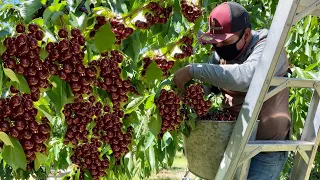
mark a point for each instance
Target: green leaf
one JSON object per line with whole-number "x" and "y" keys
{"x": 55, "y": 7}
{"x": 167, "y": 82}
{"x": 43, "y": 53}
{"x": 149, "y": 140}
{"x": 10, "y": 74}
{"x": 312, "y": 66}
{"x": 198, "y": 24}
{"x": 167, "y": 139}
{"x": 155, "y": 125}
{"x": 1, "y": 80}
{"x": 46, "y": 112}
{"x": 59, "y": 93}
{"x": 40, "y": 159}
{"x": 14, "y": 156}
{"x": 133, "y": 105}
{"x": 18, "y": 81}
{"x": 78, "y": 21}
{"x": 3, "y": 33}
{"x": 38, "y": 21}
{"x": 308, "y": 50}
{"x": 78, "y": 174}
{"x": 104, "y": 39}
{"x": 150, "y": 102}
{"x": 5, "y": 139}
{"x": 152, "y": 159}
{"x": 153, "y": 72}
{"x": 172, "y": 148}
{"x": 87, "y": 175}
{"x": 2, "y": 48}
{"x": 64, "y": 160}
{"x": 29, "y": 8}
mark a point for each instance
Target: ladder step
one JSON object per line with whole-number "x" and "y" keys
{"x": 276, "y": 145}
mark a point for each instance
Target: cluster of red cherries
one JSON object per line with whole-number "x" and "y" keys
{"x": 110, "y": 77}
{"x": 190, "y": 11}
{"x": 186, "y": 48}
{"x": 155, "y": 15}
{"x": 218, "y": 116}
{"x": 146, "y": 62}
{"x": 18, "y": 118}
{"x": 87, "y": 156}
{"x": 119, "y": 29}
{"x": 109, "y": 130}
{"x": 168, "y": 105}
{"x": 23, "y": 56}
{"x": 194, "y": 98}
{"x": 66, "y": 60}
{"x": 164, "y": 64}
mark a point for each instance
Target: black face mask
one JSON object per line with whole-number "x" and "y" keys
{"x": 229, "y": 52}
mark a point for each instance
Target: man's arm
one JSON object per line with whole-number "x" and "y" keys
{"x": 235, "y": 77}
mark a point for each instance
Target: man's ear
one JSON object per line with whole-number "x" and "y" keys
{"x": 247, "y": 33}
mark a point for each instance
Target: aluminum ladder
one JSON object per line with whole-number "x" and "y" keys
{"x": 240, "y": 149}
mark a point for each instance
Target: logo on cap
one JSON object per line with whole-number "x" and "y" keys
{"x": 216, "y": 27}
{"x": 207, "y": 38}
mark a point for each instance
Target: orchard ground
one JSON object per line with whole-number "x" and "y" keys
{"x": 176, "y": 172}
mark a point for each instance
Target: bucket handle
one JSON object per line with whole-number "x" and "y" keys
{"x": 185, "y": 175}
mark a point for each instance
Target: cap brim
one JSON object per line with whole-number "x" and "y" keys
{"x": 209, "y": 38}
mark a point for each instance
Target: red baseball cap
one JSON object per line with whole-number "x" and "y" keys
{"x": 224, "y": 21}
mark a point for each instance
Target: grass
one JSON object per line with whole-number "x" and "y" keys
{"x": 176, "y": 172}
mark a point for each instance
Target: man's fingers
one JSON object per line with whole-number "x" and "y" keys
{"x": 175, "y": 80}
{"x": 180, "y": 85}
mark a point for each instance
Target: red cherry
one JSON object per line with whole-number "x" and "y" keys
{"x": 14, "y": 132}
{"x": 44, "y": 128}
{"x": 11, "y": 63}
{"x": 39, "y": 35}
{"x": 33, "y": 43}
{"x": 4, "y": 126}
{"x": 91, "y": 71}
{"x": 75, "y": 32}
{"x": 63, "y": 45}
{"x": 27, "y": 134}
{"x": 67, "y": 67}
{"x": 21, "y": 39}
{"x": 75, "y": 86}
{"x": 33, "y": 27}
{"x": 33, "y": 125}
{"x": 49, "y": 46}
{"x": 20, "y": 28}
{"x": 76, "y": 48}
{"x": 81, "y": 40}
{"x": 63, "y": 33}
{"x": 27, "y": 144}
{"x": 20, "y": 124}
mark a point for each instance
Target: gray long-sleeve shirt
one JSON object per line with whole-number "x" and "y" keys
{"x": 234, "y": 79}
{"x": 236, "y": 76}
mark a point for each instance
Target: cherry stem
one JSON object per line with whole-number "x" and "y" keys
{"x": 177, "y": 42}
{"x": 134, "y": 12}
{"x": 62, "y": 22}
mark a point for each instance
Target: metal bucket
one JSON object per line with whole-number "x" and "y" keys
{"x": 205, "y": 146}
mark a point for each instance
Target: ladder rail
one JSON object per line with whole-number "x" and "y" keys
{"x": 282, "y": 83}
{"x": 294, "y": 82}
{"x": 262, "y": 78}
{"x": 311, "y": 132}
{"x": 308, "y": 10}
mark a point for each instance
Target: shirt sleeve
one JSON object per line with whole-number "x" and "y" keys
{"x": 236, "y": 77}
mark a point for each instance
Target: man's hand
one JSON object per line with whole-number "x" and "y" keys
{"x": 181, "y": 77}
